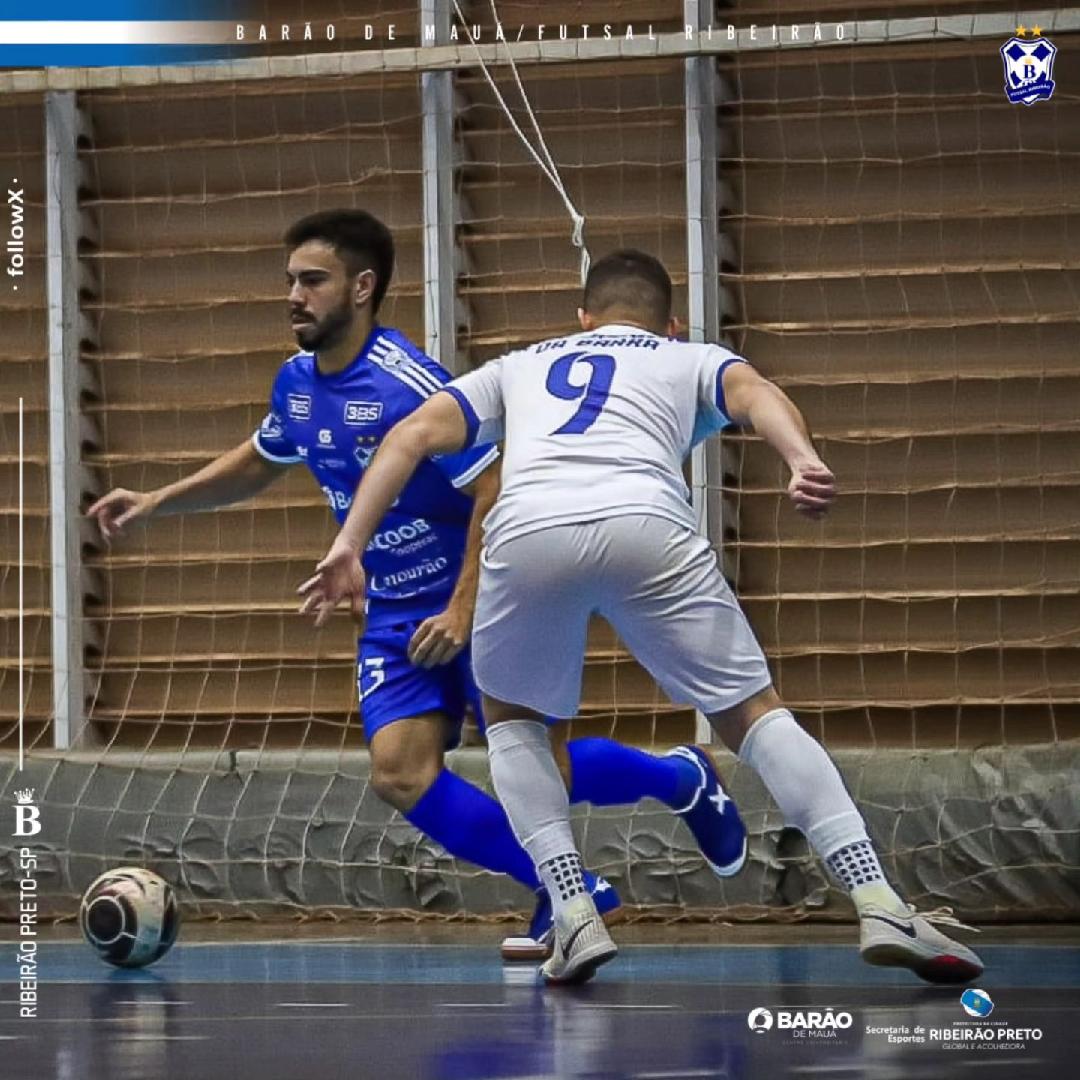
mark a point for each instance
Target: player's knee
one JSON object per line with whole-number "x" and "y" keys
{"x": 401, "y": 781}
{"x": 733, "y": 724}
{"x": 497, "y": 712}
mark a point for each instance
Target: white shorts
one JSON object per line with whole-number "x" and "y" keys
{"x": 656, "y": 582}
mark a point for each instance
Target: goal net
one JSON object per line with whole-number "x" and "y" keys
{"x": 894, "y": 246}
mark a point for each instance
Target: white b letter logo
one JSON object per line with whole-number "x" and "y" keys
{"x": 27, "y": 821}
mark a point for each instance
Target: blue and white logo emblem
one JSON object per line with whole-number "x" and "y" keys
{"x": 362, "y": 412}
{"x": 299, "y": 406}
{"x": 977, "y": 1003}
{"x": 366, "y": 445}
{"x": 1029, "y": 67}
{"x": 271, "y": 427}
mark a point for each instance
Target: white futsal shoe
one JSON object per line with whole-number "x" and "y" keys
{"x": 909, "y": 940}
{"x": 582, "y": 944}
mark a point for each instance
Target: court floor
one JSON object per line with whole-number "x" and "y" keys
{"x": 356, "y": 1006}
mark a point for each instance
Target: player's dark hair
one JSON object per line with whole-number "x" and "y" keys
{"x": 360, "y": 240}
{"x": 631, "y": 283}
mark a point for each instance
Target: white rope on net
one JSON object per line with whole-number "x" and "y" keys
{"x": 546, "y": 162}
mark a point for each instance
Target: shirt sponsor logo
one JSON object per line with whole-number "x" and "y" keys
{"x": 299, "y": 406}
{"x": 392, "y": 539}
{"x": 271, "y": 427}
{"x": 338, "y": 500}
{"x": 358, "y": 413}
{"x": 413, "y": 573}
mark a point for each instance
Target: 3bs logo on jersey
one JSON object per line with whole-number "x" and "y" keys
{"x": 358, "y": 413}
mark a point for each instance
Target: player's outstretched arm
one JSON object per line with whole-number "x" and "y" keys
{"x": 236, "y": 475}
{"x": 437, "y": 427}
{"x": 753, "y": 400}
{"x": 440, "y": 638}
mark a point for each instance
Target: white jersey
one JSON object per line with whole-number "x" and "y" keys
{"x": 597, "y": 425}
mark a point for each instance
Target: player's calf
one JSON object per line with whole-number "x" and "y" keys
{"x": 810, "y": 791}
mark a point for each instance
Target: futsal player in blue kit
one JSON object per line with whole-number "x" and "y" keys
{"x": 330, "y": 406}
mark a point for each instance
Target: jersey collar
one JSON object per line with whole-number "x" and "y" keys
{"x": 360, "y": 358}
{"x": 628, "y": 327}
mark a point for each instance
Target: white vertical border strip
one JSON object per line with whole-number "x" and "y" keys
{"x": 22, "y": 594}
{"x": 440, "y": 267}
{"x": 62, "y": 221}
{"x": 703, "y": 268}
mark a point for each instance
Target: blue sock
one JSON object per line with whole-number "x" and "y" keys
{"x": 606, "y": 773}
{"x": 471, "y": 825}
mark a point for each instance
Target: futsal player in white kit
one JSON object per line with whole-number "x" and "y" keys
{"x": 594, "y": 518}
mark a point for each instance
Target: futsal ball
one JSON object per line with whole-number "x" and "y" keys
{"x": 129, "y": 916}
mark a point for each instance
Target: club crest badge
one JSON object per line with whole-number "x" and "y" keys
{"x": 1029, "y": 66}
{"x": 365, "y": 448}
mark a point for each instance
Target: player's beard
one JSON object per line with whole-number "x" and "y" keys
{"x": 328, "y": 331}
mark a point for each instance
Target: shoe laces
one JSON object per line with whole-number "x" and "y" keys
{"x": 942, "y": 916}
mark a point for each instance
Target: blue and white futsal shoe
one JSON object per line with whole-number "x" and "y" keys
{"x": 539, "y": 941}
{"x": 712, "y": 816}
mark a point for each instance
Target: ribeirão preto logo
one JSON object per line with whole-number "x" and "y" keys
{"x": 977, "y": 1003}
{"x": 27, "y": 816}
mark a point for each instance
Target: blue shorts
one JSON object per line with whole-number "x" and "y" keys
{"x": 392, "y": 688}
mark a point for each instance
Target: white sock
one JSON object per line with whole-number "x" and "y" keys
{"x": 810, "y": 792}
{"x": 532, "y": 792}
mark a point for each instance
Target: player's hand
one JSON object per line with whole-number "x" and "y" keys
{"x": 115, "y": 510}
{"x": 440, "y": 638}
{"x": 812, "y": 489}
{"x": 338, "y": 577}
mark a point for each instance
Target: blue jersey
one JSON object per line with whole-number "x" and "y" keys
{"x": 334, "y": 424}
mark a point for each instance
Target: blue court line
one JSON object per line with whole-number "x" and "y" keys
{"x": 299, "y": 962}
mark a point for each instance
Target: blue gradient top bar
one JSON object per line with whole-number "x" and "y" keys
{"x": 125, "y": 11}
{"x": 119, "y": 33}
